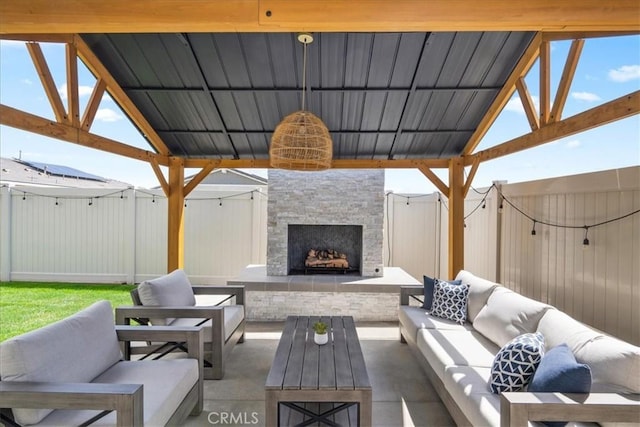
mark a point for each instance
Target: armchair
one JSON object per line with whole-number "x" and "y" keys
{"x": 75, "y": 368}
{"x": 172, "y": 300}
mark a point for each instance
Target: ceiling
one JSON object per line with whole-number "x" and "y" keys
{"x": 382, "y": 95}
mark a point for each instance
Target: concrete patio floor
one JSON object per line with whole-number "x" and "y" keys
{"x": 402, "y": 394}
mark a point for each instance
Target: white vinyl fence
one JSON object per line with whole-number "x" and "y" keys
{"x": 80, "y": 235}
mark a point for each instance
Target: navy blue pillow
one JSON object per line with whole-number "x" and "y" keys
{"x": 560, "y": 372}
{"x": 429, "y": 284}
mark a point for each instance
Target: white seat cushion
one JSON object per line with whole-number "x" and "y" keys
{"x": 468, "y": 386}
{"x": 415, "y": 318}
{"x": 443, "y": 348}
{"x": 233, "y": 316}
{"x": 165, "y": 382}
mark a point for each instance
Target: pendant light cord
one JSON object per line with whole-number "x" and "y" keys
{"x": 304, "y": 73}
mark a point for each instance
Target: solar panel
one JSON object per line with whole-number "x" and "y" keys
{"x": 63, "y": 171}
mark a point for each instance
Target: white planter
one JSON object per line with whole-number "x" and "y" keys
{"x": 320, "y": 339}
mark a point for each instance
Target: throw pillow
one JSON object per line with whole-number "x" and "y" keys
{"x": 516, "y": 362}
{"x": 429, "y": 284}
{"x": 560, "y": 372}
{"x": 450, "y": 301}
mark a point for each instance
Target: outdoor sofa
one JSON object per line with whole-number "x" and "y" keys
{"x": 458, "y": 358}
{"x": 75, "y": 366}
{"x": 172, "y": 300}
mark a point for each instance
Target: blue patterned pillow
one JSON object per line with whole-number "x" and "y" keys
{"x": 516, "y": 362}
{"x": 429, "y": 284}
{"x": 450, "y": 301}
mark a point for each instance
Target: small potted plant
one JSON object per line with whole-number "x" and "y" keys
{"x": 320, "y": 335}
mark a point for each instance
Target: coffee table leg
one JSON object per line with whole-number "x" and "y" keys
{"x": 271, "y": 409}
{"x": 364, "y": 417}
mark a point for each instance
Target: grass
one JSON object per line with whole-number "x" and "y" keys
{"x": 25, "y": 306}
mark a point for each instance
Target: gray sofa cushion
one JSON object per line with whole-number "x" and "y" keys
{"x": 165, "y": 382}
{"x": 170, "y": 290}
{"x": 479, "y": 292}
{"x": 75, "y": 349}
{"x": 507, "y": 315}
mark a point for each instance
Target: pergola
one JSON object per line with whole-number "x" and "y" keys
{"x": 402, "y": 84}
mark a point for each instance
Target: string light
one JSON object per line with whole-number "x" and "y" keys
{"x": 585, "y": 242}
{"x": 220, "y": 202}
{"x": 91, "y": 201}
{"x": 122, "y": 195}
{"x": 533, "y": 230}
{"x": 407, "y": 201}
{"x": 153, "y": 198}
{"x": 57, "y": 201}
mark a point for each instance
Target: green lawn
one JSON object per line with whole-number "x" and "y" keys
{"x": 25, "y": 306}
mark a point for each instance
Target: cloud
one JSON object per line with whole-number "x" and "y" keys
{"x": 574, "y": 143}
{"x": 625, "y": 73}
{"x": 108, "y": 115}
{"x": 82, "y": 90}
{"x": 515, "y": 104}
{"x": 26, "y": 81}
{"x": 585, "y": 96}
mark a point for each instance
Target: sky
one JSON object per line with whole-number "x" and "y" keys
{"x": 608, "y": 68}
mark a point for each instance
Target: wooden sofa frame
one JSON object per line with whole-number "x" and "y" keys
{"x": 517, "y": 408}
{"x": 216, "y": 349}
{"x": 125, "y": 399}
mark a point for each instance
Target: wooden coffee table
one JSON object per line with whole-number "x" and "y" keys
{"x": 325, "y": 384}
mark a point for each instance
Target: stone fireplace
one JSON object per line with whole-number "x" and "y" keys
{"x": 341, "y": 210}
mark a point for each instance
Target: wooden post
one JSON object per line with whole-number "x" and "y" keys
{"x": 456, "y": 216}
{"x": 175, "y": 247}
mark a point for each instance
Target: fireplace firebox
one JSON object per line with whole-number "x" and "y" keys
{"x": 332, "y": 249}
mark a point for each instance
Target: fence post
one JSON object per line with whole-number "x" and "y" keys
{"x": 5, "y": 234}
{"x": 130, "y": 233}
{"x": 498, "y": 219}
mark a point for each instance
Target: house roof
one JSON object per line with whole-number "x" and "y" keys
{"x": 382, "y": 95}
{"x": 231, "y": 177}
{"x": 22, "y": 172}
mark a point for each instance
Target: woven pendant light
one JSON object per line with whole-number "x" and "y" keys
{"x": 301, "y": 141}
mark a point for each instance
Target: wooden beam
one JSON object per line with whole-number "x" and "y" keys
{"x": 617, "y": 109}
{"x": 527, "y": 104}
{"x": 198, "y": 178}
{"x": 472, "y": 174}
{"x": 175, "y": 243}
{"x": 553, "y": 36}
{"x": 93, "y": 104}
{"x": 524, "y": 65}
{"x": 545, "y": 82}
{"x": 40, "y": 38}
{"x": 117, "y": 16}
{"x": 161, "y": 179}
{"x": 456, "y": 216}
{"x": 47, "y": 81}
{"x": 119, "y": 96}
{"x": 31, "y": 123}
{"x": 565, "y": 81}
{"x": 441, "y": 186}
{"x": 335, "y": 164}
{"x": 73, "y": 98}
